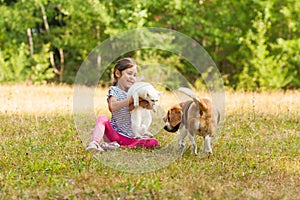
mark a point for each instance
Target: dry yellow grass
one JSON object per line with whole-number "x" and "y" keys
{"x": 34, "y": 99}
{"x": 263, "y": 102}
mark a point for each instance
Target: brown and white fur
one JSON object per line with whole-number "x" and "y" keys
{"x": 193, "y": 117}
{"x": 141, "y": 118}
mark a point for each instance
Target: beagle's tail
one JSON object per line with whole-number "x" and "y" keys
{"x": 188, "y": 92}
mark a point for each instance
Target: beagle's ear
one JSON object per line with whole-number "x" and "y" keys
{"x": 202, "y": 105}
{"x": 175, "y": 116}
{"x": 165, "y": 117}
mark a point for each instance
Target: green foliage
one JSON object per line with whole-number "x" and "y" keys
{"x": 160, "y": 67}
{"x": 290, "y": 50}
{"x": 5, "y": 72}
{"x": 19, "y": 67}
{"x": 14, "y": 64}
{"x": 255, "y": 44}
{"x": 262, "y": 69}
{"x": 40, "y": 71}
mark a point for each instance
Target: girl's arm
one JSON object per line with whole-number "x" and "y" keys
{"x": 114, "y": 104}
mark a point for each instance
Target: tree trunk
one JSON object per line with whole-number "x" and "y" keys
{"x": 62, "y": 63}
{"x": 30, "y": 42}
{"x": 45, "y": 18}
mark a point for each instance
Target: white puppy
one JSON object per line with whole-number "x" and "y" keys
{"x": 141, "y": 118}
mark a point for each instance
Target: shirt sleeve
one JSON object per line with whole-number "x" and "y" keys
{"x": 111, "y": 93}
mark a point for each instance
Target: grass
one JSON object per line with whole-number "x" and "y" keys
{"x": 256, "y": 155}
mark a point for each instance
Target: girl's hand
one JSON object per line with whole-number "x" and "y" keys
{"x": 131, "y": 106}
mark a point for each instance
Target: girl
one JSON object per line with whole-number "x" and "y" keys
{"x": 118, "y": 130}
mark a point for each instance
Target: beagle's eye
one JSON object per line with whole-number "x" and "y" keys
{"x": 201, "y": 112}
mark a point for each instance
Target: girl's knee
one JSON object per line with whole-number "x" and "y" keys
{"x": 151, "y": 143}
{"x": 102, "y": 119}
{"x": 155, "y": 143}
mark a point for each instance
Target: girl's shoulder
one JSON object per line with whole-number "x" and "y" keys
{"x": 114, "y": 89}
{"x": 116, "y": 92}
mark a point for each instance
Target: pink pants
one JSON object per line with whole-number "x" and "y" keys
{"x": 103, "y": 128}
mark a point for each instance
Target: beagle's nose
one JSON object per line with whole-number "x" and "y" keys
{"x": 166, "y": 128}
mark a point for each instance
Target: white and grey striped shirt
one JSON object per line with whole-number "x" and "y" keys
{"x": 121, "y": 119}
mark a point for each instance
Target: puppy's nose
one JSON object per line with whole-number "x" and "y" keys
{"x": 166, "y": 127}
{"x": 169, "y": 129}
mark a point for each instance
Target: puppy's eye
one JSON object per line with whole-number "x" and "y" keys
{"x": 201, "y": 112}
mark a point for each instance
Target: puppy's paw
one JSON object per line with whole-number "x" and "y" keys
{"x": 209, "y": 154}
{"x": 181, "y": 146}
{"x": 207, "y": 145}
{"x": 135, "y": 100}
{"x": 137, "y": 137}
{"x": 147, "y": 133}
{"x": 181, "y": 149}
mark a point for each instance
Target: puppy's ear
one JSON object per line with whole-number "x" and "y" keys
{"x": 175, "y": 116}
{"x": 165, "y": 117}
{"x": 202, "y": 105}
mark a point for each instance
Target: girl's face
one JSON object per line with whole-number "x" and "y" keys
{"x": 127, "y": 78}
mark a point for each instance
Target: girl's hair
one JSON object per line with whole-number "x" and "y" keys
{"x": 121, "y": 65}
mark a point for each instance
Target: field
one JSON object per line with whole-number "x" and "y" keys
{"x": 256, "y": 156}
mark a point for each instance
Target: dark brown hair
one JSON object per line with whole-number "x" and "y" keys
{"x": 121, "y": 65}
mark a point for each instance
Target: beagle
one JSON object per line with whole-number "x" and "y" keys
{"x": 193, "y": 117}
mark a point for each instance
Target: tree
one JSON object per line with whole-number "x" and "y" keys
{"x": 253, "y": 43}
